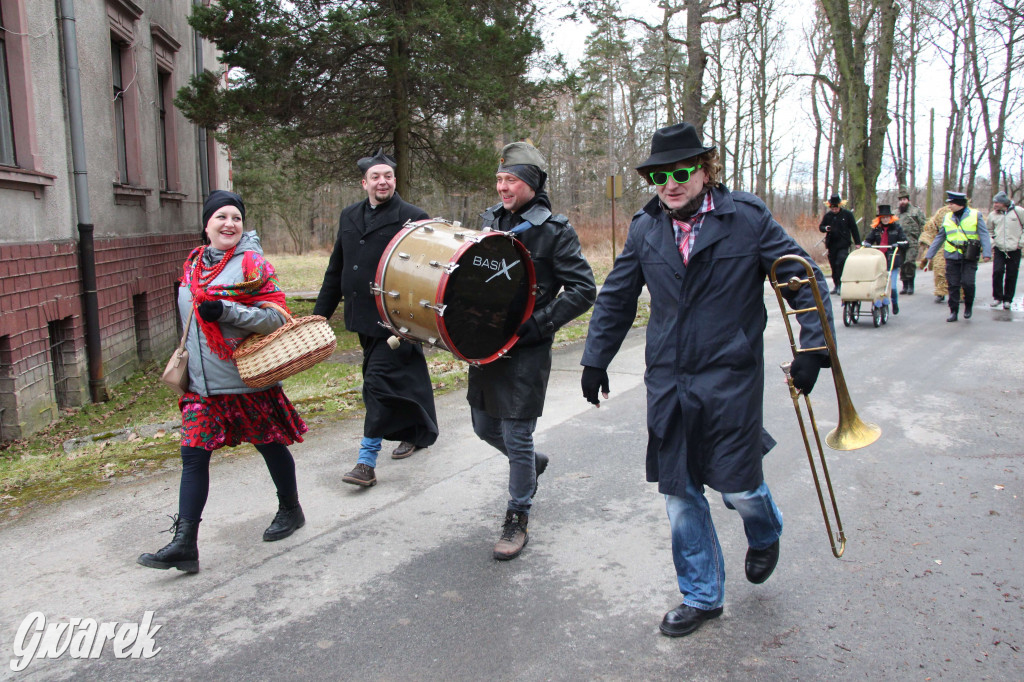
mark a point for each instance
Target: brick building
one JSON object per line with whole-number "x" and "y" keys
{"x": 101, "y": 187}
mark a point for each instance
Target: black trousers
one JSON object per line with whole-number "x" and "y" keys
{"x": 837, "y": 260}
{"x": 195, "y": 477}
{"x": 1005, "y": 265}
{"x": 960, "y": 273}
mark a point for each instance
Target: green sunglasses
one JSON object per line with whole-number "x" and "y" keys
{"x": 680, "y": 175}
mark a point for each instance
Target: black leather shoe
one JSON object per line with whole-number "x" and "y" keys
{"x": 761, "y": 562}
{"x": 967, "y": 313}
{"x": 940, "y": 299}
{"x": 404, "y": 450}
{"x": 895, "y": 307}
{"x": 952, "y": 317}
{"x": 683, "y": 620}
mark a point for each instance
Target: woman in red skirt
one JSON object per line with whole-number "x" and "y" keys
{"x": 224, "y": 283}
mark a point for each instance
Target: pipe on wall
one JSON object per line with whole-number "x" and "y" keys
{"x": 86, "y": 249}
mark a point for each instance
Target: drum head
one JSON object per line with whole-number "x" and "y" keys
{"x": 487, "y": 297}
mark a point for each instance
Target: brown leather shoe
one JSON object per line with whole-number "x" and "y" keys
{"x": 513, "y": 536}
{"x": 361, "y": 475}
{"x": 403, "y": 450}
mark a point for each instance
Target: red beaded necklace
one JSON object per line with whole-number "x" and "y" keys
{"x": 203, "y": 275}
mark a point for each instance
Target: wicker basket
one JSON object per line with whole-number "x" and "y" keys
{"x": 265, "y": 359}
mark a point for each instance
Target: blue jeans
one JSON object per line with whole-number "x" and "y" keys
{"x": 514, "y": 439}
{"x": 369, "y": 448}
{"x": 700, "y": 566}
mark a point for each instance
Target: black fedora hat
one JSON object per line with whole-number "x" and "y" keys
{"x": 674, "y": 143}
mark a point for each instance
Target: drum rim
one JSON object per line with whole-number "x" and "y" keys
{"x": 531, "y": 298}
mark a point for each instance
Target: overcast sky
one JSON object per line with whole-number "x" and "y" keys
{"x": 570, "y": 39}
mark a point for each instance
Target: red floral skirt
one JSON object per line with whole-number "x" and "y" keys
{"x": 217, "y": 421}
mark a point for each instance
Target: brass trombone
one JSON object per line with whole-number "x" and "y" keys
{"x": 851, "y": 433}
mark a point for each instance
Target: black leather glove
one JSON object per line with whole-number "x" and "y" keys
{"x": 211, "y": 310}
{"x": 805, "y": 368}
{"x": 594, "y": 379}
{"x": 529, "y": 333}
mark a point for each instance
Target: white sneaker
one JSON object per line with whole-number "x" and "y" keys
{"x": 1006, "y": 305}
{"x": 995, "y": 304}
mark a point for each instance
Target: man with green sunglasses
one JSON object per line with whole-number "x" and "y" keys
{"x": 703, "y": 253}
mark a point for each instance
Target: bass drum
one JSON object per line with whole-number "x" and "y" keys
{"x": 459, "y": 289}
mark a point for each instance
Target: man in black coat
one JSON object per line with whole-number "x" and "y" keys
{"x": 397, "y": 391}
{"x": 840, "y": 228}
{"x": 507, "y": 396}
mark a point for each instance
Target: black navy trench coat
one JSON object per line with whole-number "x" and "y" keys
{"x": 705, "y": 338}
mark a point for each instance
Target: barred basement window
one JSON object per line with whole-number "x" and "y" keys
{"x": 62, "y": 356}
{"x": 8, "y": 414}
{"x": 140, "y": 313}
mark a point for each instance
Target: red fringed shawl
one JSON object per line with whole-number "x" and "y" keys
{"x": 258, "y": 286}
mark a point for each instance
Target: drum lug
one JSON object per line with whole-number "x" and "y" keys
{"x": 375, "y": 290}
{"x": 437, "y": 307}
{"x": 450, "y": 268}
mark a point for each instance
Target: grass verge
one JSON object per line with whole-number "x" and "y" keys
{"x": 135, "y": 433}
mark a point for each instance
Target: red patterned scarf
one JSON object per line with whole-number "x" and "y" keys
{"x": 259, "y": 286}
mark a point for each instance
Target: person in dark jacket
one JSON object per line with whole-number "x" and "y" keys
{"x": 397, "y": 392}
{"x": 887, "y": 233}
{"x": 840, "y": 228}
{"x": 218, "y": 409}
{"x": 703, "y": 253}
{"x": 507, "y": 396}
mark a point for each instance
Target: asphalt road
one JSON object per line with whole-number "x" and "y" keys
{"x": 397, "y": 582}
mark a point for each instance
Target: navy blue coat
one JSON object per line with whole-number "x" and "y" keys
{"x": 705, "y": 338}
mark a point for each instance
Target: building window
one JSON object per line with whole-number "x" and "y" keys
{"x": 21, "y": 164}
{"x": 8, "y": 404}
{"x": 140, "y": 313}
{"x": 120, "y": 138}
{"x": 6, "y": 117}
{"x": 62, "y": 358}
{"x": 163, "y": 150}
{"x": 126, "y": 161}
{"x": 165, "y": 49}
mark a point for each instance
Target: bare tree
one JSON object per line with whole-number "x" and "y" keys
{"x": 863, "y": 37}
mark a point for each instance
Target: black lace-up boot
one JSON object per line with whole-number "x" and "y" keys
{"x": 183, "y": 551}
{"x": 289, "y": 519}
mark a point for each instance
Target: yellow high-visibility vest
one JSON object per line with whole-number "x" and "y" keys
{"x": 957, "y": 235}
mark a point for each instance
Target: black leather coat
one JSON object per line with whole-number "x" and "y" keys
{"x": 514, "y": 386}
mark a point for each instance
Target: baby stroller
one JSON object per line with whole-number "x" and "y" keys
{"x": 866, "y": 279}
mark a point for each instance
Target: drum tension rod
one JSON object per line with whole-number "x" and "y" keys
{"x": 438, "y": 307}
